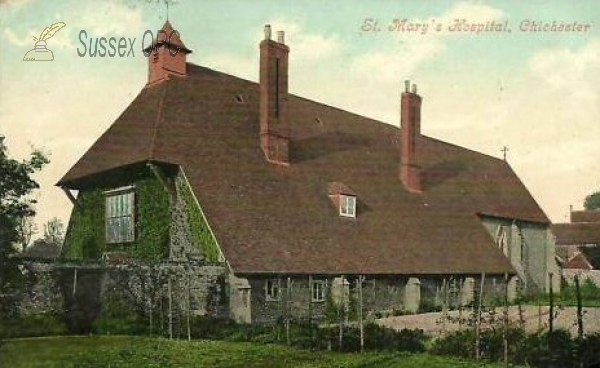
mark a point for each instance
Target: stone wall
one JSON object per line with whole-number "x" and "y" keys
{"x": 531, "y": 249}
{"x": 199, "y": 289}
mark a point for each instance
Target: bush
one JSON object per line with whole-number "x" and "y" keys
{"x": 459, "y": 344}
{"x": 588, "y": 350}
{"x": 541, "y": 350}
{"x": 48, "y": 324}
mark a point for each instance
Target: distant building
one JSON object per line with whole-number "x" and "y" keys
{"x": 572, "y": 238}
{"x": 296, "y": 198}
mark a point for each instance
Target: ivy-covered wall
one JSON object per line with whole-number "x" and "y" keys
{"x": 86, "y": 240}
{"x": 201, "y": 236}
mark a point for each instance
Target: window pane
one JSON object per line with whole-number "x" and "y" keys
{"x": 119, "y": 218}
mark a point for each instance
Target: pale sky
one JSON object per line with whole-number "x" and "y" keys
{"x": 538, "y": 93}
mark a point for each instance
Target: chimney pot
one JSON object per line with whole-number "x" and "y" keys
{"x": 406, "y": 86}
{"x": 267, "y": 31}
{"x": 280, "y": 37}
{"x": 414, "y": 88}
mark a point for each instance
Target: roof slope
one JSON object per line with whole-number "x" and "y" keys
{"x": 577, "y": 233}
{"x": 269, "y": 218}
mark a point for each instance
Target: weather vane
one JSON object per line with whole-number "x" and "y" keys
{"x": 166, "y": 2}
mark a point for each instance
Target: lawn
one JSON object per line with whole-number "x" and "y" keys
{"x": 131, "y": 352}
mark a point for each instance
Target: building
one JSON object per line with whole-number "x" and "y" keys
{"x": 573, "y": 238}
{"x": 297, "y": 198}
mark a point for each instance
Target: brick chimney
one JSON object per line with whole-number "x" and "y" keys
{"x": 410, "y": 132}
{"x": 274, "y": 130}
{"x": 167, "y": 55}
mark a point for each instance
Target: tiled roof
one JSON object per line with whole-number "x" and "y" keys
{"x": 577, "y": 233}
{"x": 585, "y": 216}
{"x": 578, "y": 261}
{"x": 272, "y": 218}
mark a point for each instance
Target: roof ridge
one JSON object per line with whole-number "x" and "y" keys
{"x": 157, "y": 121}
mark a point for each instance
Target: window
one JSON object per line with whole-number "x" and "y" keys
{"x": 317, "y": 290}
{"x": 347, "y": 206}
{"x": 120, "y": 206}
{"x": 272, "y": 289}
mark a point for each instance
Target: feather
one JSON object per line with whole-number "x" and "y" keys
{"x": 49, "y": 32}
{"x": 43, "y": 33}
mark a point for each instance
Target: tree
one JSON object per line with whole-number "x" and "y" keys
{"x": 592, "y": 201}
{"x": 26, "y": 229}
{"x": 54, "y": 231}
{"x": 16, "y": 186}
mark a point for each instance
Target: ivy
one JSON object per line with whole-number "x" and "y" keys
{"x": 201, "y": 234}
{"x": 86, "y": 237}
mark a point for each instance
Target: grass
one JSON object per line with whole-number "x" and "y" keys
{"x": 132, "y": 352}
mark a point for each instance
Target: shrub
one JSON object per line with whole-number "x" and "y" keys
{"x": 588, "y": 350}
{"x": 47, "y": 324}
{"x": 460, "y": 344}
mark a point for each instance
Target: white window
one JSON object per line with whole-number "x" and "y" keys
{"x": 347, "y": 206}
{"x": 272, "y": 289}
{"x": 120, "y": 209}
{"x": 317, "y": 290}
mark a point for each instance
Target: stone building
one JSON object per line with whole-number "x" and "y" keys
{"x": 298, "y": 200}
{"x": 576, "y": 238}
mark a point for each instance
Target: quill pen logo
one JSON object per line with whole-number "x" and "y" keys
{"x": 40, "y": 52}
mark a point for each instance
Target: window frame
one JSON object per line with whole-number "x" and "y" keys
{"x": 270, "y": 284}
{"x": 314, "y": 289}
{"x": 347, "y": 210}
{"x": 129, "y": 193}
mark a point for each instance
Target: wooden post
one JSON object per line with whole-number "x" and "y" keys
{"x": 75, "y": 282}
{"x": 550, "y": 341}
{"x": 539, "y": 316}
{"x": 478, "y": 321}
{"x": 551, "y": 299}
{"x": 151, "y": 322}
{"x": 579, "y": 320}
{"x": 360, "y": 313}
{"x": 505, "y": 321}
{"x": 444, "y": 304}
{"x": 310, "y": 310}
{"x": 287, "y": 311}
{"x": 460, "y": 303}
{"x": 189, "y": 304}
{"x": 340, "y": 306}
{"x": 170, "y": 308}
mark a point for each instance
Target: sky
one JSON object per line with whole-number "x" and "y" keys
{"x": 519, "y": 83}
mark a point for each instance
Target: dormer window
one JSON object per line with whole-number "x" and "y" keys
{"x": 342, "y": 197}
{"x": 347, "y": 206}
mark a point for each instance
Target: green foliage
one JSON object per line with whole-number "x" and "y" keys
{"x": 558, "y": 349}
{"x": 201, "y": 235}
{"x": 120, "y": 318}
{"x": 48, "y": 324}
{"x": 86, "y": 237}
{"x": 16, "y": 185}
{"x": 592, "y": 201}
{"x": 588, "y": 350}
{"x": 305, "y": 336}
{"x": 590, "y": 295}
{"x": 82, "y": 301}
{"x": 132, "y": 352}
